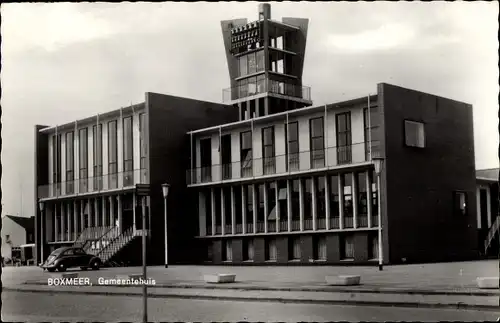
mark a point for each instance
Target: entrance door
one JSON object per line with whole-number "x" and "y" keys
{"x": 483, "y": 202}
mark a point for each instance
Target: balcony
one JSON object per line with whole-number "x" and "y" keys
{"x": 274, "y": 87}
{"x": 328, "y": 158}
{"x": 91, "y": 185}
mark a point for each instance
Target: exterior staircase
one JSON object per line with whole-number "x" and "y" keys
{"x": 113, "y": 246}
{"x": 491, "y": 234}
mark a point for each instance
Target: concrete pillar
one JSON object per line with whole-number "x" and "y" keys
{"x": 75, "y": 219}
{"x": 96, "y": 214}
{"x": 82, "y": 215}
{"x": 266, "y": 208}
{"x": 222, "y": 212}
{"x": 134, "y": 198}
{"x": 327, "y": 203}
{"x": 354, "y": 194}
{"x": 104, "y": 212}
{"x": 212, "y": 212}
{"x": 289, "y": 204}
{"x": 120, "y": 213}
{"x": 243, "y": 209}
{"x": 89, "y": 210}
{"x": 314, "y": 206}
{"x": 56, "y": 222}
{"x": 112, "y": 211}
{"x": 254, "y": 205}
{"x": 301, "y": 205}
{"x": 233, "y": 212}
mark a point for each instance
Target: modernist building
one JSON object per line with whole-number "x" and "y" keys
{"x": 86, "y": 172}
{"x": 290, "y": 182}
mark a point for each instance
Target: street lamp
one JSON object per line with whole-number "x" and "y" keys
{"x": 142, "y": 191}
{"x": 165, "y": 188}
{"x": 41, "y": 206}
{"x": 379, "y": 163}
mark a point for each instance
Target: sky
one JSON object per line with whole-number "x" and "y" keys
{"x": 65, "y": 61}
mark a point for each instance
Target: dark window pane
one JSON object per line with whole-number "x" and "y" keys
{"x": 246, "y": 140}
{"x": 293, "y": 131}
{"x": 260, "y": 60}
{"x": 243, "y": 66}
{"x": 252, "y": 63}
{"x": 317, "y": 144}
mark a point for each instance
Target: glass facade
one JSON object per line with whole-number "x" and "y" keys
{"x": 83, "y": 158}
{"x": 97, "y": 149}
{"x": 268, "y": 152}
{"x": 70, "y": 162}
{"x": 292, "y": 137}
{"x": 112, "y": 154}
{"x": 128, "y": 152}
{"x": 317, "y": 135}
{"x": 142, "y": 140}
{"x": 344, "y": 138}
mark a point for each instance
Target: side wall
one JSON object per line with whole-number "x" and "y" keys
{"x": 41, "y": 176}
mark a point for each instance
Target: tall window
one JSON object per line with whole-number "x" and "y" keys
{"x": 292, "y": 134}
{"x": 249, "y": 206}
{"x": 271, "y": 251}
{"x": 243, "y": 60}
{"x": 268, "y": 150}
{"x": 307, "y": 189}
{"x": 260, "y": 204}
{"x": 348, "y": 207}
{"x": 142, "y": 140}
{"x": 70, "y": 162}
{"x": 246, "y": 153}
{"x": 362, "y": 199}
{"x": 344, "y": 139}
{"x": 128, "y": 152}
{"x": 366, "y": 123}
{"x": 252, "y": 63}
{"x": 112, "y": 154}
{"x": 206, "y": 159}
{"x": 334, "y": 202}
{"x": 97, "y": 148}
{"x": 347, "y": 247}
{"x": 260, "y": 60}
{"x": 83, "y": 159}
{"x": 56, "y": 158}
{"x": 317, "y": 142}
{"x": 374, "y": 199}
{"x": 295, "y": 204}
{"x": 319, "y": 185}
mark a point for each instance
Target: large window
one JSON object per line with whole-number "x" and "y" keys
{"x": 248, "y": 251}
{"x": 97, "y": 148}
{"x": 128, "y": 152}
{"x": 70, "y": 162}
{"x": 56, "y": 158}
{"x": 260, "y": 60}
{"x": 366, "y": 123}
{"x": 271, "y": 206}
{"x": 348, "y": 205}
{"x": 295, "y": 204}
{"x": 249, "y": 208}
{"x": 83, "y": 159}
{"x": 292, "y": 134}
{"x": 334, "y": 201}
{"x": 112, "y": 154}
{"x": 319, "y": 247}
{"x": 142, "y": 140}
{"x": 271, "y": 251}
{"x": 344, "y": 139}
{"x": 319, "y": 185}
{"x": 243, "y": 60}
{"x": 347, "y": 247}
{"x": 317, "y": 142}
{"x": 414, "y": 134}
{"x": 246, "y": 153}
{"x": 307, "y": 189}
{"x": 268, "y": 150}
{"x": 374, "y": 199}
{"x": 260, "y": 207}
{"x": 362, "y": 199}
{"x": 294, "y": 248}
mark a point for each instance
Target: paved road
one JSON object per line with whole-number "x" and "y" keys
{"x": 29, "y": 307}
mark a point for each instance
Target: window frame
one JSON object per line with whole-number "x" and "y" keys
{"x": 113, "y": 152}
{"x": 418, "y": 144}
{"x": 128, "y": 161}
{"x": 457, "y": 209}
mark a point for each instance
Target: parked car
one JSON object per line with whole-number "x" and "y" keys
{"x": 70, "y": 257}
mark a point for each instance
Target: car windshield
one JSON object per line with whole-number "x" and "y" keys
{"x": 57, "y": 251}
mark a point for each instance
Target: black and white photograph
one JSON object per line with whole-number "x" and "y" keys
{"x": 250, "y": 161}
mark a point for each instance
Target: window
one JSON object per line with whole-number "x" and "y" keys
{"x": 112, "y": 154}
{"x": 334, "y": 201}
{"x": 347, "y": 247}
{"x": 319, "y": 247}
{"x": 295, "y": 202}
{"x": 317, "y": 142}
{"x": 246, "y": 153}
{"x": 460, "y": 203}
{"x": 366, "y": 122}
{"x": 142, "y": 140}
{"x": 227, "y": 250}
{"x": 243, "y": 65}
{"x": 30, "y": 237}
{"x": 260, "y": 60}
{"x": 70, "y": 162}
{"x": 294, "y": 248}
{"x": 268, "y": 150}
{"x": 56, "y": 157}
{"x": 252, "y": 63}
{"x": 248, "y": 250}
{"x": 373, "y": 247}
{"x": 348, "y": 205}
{"x": 307, "y": 195}
{"x": 292, "y": 135}
{"x": 319, "y": 186}
{"x": 271, "y": 252}
{"x": 344, "y": 139}
{"x": 252, "y": 85}
{"x": 128, "y": 154}
{"x": 261, "y": 83}
{"x": 362, "y": 199}
{"x": 83, "y": 159}
{"x": 414, "y": 134}
{"x": 243, "y": 88}
{"x": 260, "y": 204}
{"x": 97, "y": 148}
{"x": 250, "y": 210}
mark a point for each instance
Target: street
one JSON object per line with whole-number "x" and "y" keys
{"x": 35, "y": 307}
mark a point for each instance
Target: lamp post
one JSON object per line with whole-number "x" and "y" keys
{"x": 41, "y": 206}
{"x": 165, "y": 187}
{"x": 142, "y": 191}
{"x": 378, "y": 163}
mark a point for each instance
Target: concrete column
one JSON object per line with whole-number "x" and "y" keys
{"x": 63, "y": 222}
{"x": 289, "y": 204}
{"x": 243, "y": 209}
{"x": 327, "y": 203}
{"x": 89, "y": 209}
{"x": 233, "y": 212}
{"x": 82, "y": 215}
{"x": 354, "y": 194}
{"x": 222, "y": 212}
{"x": 341, "y": 202}
{"x": 254, "y": 205}
{"x": 112, "y": 211}
{"x": 76, "y": 209}
{"x": 56, "y": 223}
{"x": 266, "y": 208}
{"x": 212, "y": 212}
{"x": 301, "y": 205}
{"x": 96, "y": 214}
{"x": 104, "y": 212}
{"x": 134, "y": 201}
{"x": 314, "y": 206}
{"x": 276, "y": 196}
{"x": 69, "y": 216}
{"x": 369, "y": 199}
{"x": 120, "y": 213}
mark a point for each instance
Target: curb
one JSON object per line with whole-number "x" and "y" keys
{"x": 458, "y": 305}
{"x": 312, "y": 289}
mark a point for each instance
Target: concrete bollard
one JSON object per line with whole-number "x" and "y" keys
{"x": 219, "y": 278}
{"x": 487, "y": 282}
{"x": 343, "y": 280}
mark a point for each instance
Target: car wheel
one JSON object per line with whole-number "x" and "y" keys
{"x": 51, "y": 270}
{"x": 61, "y": 267}
{"x": 96, "y": 265}
{"x": 83, "y": 268}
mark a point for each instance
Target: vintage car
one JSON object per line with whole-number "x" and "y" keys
{"x": 70, "y": 257}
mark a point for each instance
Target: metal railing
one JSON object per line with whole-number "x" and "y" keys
{"x": 94, "y": 184}
{"x": 115, "y": 245}
{"x": 94, "y": 243}
{"x": 491, "y": 233}
{"x": 276, "y": 87}
{"x": 279, "y": 165}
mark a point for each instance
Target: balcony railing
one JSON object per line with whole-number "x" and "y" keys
{"x": 374, "y": 221}
{"x": 321, "y": 224}
{"x": 283, "y": 226}
{"x": 348, "y": 222}
{"x": 362, "y": 221}
{"x": 279, "y": 165}
{"x": 276, "y": 87}
{"x": 106, "y": 182}
{"x": 308, "y": 224}
{"x": 271, "y": 226}
{"x": 335, "y": 223}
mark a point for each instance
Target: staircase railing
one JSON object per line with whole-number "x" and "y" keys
{"x": 94, "y": 240}
{"x": 491, "y": 233}
{"x": 92, "y": 233}
{"x": 118, "y": 243}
